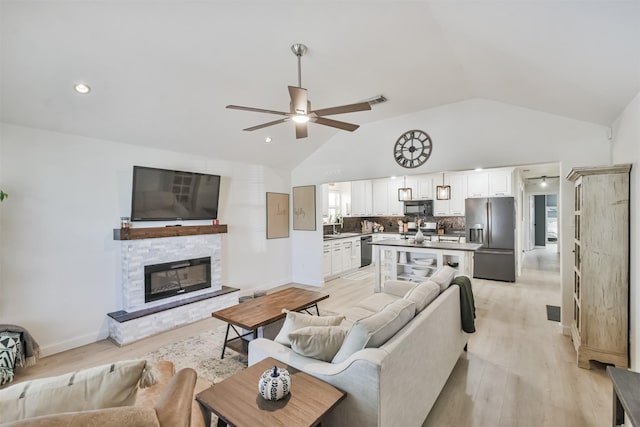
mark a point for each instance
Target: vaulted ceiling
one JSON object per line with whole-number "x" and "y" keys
{"x": 162, "y": 72}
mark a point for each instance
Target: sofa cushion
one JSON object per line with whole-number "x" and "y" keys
{"x": 353, "y": 314}
{"x": 377, "y": 301}
{"x": 101, "y": 387}
{"x": 375, "y": 330}
{"x": 295, "y": 320}
{"x": 423, "y": 294}
{"x": 318, "y": 342}
{"x": 443, "y": 277}
{"x": 398, "y": 288}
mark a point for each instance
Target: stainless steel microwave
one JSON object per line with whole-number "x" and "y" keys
{"x": 418, "y": 208}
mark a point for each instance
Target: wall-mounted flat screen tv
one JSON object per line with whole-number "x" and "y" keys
{"x": 170, "y": 195}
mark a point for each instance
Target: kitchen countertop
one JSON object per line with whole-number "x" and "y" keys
{"x": 453, "y": 233}
{"x": 404, "y": 243}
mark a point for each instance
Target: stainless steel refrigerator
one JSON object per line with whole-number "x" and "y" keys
{"x": 491, "y": 222}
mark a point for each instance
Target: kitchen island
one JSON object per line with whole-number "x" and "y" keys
{"x": 404, "y": 259}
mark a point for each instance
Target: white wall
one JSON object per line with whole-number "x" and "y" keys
{"x": 466, "y": 135}
{"x": 626, "y": 149}
{"x": 59, "y": 264}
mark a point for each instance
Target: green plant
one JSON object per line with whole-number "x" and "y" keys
{"x": 3, "y": 195}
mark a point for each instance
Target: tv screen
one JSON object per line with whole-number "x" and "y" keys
{"x": 165, "y": 195}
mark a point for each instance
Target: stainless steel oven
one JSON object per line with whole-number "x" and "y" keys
{"x": 418, "y": 208}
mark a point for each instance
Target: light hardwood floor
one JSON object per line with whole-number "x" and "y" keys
{"x": 519, "y": 369}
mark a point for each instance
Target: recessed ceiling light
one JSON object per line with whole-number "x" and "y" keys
{"x": 478, "y": 169}
{"x": 267, "y": 139}
{"x": 82, "y": 88}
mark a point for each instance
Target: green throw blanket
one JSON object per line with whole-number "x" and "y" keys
{"x": 467, "y": 305}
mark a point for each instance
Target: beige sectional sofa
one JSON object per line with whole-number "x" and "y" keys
{"x": 398, "y": 381}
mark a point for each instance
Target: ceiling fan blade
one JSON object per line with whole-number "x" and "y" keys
{"x": 299, "y": 100}
{"x": 257, "y": 110}
{"x": 335, "y": 124}
{"x": 351, "y": 108}
{"x": 301, "y": 130}
{"x": 264, "y": 125}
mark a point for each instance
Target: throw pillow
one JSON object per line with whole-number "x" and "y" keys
{"x": 101, "y": 387}
{"x": 318, "y": 342}
{"x": 423, "y": 294}
{"x": 443, "y": 277}
{"x": 375, "y": 330}
{"x": 8, "y": 351}
{"x": 295, "y": 320}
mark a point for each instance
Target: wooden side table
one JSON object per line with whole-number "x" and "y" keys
{"x": 236, "y": 400}
{"x": 626, "y": 395}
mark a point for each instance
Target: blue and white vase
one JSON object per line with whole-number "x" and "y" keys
{"x": 274, "y": 384}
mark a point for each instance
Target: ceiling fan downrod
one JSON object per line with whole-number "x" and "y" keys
{"x": 298, "y": 50}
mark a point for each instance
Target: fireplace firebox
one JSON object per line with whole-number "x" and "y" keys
{"x": 176, "y": 278}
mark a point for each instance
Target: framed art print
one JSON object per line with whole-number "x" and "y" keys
{"x": 304, "y": 208}
{"x": 277, "y": 215}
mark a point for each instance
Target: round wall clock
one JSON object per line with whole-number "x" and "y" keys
{"x": 412, "y": 149}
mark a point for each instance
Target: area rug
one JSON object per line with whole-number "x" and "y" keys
{"x": 202, "y": 353}
{"x": 553, "y": 313}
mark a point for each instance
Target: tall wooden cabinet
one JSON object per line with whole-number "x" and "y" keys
{"x": 600, "y": 325}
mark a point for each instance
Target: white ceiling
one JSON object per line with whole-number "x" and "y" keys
{"x": 163, "y": 71}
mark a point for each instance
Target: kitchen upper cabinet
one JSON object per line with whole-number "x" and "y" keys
{"x": 361, "y": 198}
{"x": 380, "y": 196}
{"x": 500, "y": 182}
{"x": 489, "y": 183}
{"x": 394, "y": 206}
{"x": 478, "y": 184}
{"x": 455, "y": 205}
{"x": 385, "y": 197}
{"x": 424, "y": 189}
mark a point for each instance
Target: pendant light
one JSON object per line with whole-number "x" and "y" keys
{"x": 405, "y": 192}
{"x": 443, "y": 192}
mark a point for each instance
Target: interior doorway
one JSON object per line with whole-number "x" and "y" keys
{"x": 543, "y": 220}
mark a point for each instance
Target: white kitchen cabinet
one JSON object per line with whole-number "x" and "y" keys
{"x": 336, "y": 257}
{"x": 500, "y": 182}
{"x": 394, "y": 206}
{"x": 424, "y": 187}
{"x": 478, "y": 184}
{"x": 490, "y": 183}
{"x": 361, "y": 198}
{"x": 380, "y": 197}
{"x": 347, "y": 246}
{"x": 356, "y": 253}
{"x": 455, "y": 205}
{"x": 326, "y": 259}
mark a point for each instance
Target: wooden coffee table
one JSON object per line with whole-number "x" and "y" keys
{"x": 236, "y": 400}
{"x": 263, "y": 310}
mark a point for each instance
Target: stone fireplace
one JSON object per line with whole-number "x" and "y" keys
{"x": 168, "y": 282}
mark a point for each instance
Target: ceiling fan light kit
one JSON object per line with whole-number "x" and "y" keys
{"x": 300, "y": 111}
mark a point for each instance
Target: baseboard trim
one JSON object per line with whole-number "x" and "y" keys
{"x": 59, "y": 347}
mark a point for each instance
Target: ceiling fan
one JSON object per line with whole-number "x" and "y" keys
{"x": 300, "y": 107}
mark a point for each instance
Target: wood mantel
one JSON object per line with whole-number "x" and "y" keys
{"x": 172, "y": 231}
